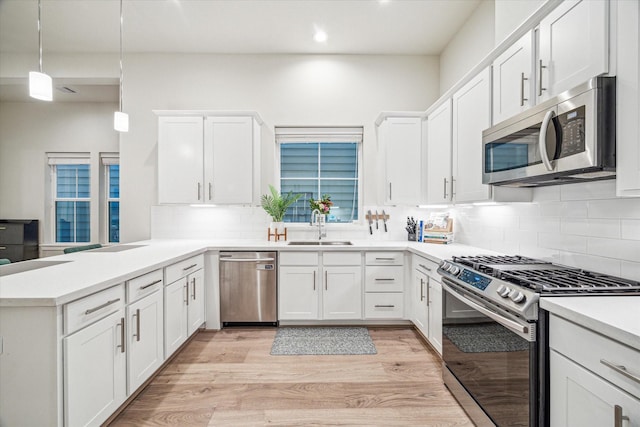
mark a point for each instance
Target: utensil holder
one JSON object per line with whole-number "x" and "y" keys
{"x": 411, "y": 237}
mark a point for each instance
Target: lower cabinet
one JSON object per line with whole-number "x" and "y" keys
{"x": 95, "y": 369}
{"x": 384, "y": 286}
{"x": 298, "y": 292}
{"x": 427, "y": 301}
{"x": 184, "y": 302}
{"x": 342, "y": 293}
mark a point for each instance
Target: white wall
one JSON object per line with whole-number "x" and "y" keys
{"x": 510, "y": 14}
{"x": 469, "y": 46}
{"x": 287, "y": 90}
{"x": 30, "y": 129}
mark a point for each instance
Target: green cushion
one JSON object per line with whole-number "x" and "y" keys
{"x": 82, "y": 248}
{"x": 4, "y": 261}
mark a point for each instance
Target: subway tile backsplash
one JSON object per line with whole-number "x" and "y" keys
{"x": 580, "y": 225}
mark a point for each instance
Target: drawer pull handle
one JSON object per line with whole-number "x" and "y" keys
{"x": 186, "y": 288}
{"x": 621, "y": 370}
{"x": 137, "y": 334}
{"x": 618, "y": 417}
{"x": 190, "y": 267}
{"x": 385, "y": 259}
{"x": 101, "y": 306}
{"x": 425, "y": 267}
{"x": 314, "y": 280}
{"x": 150, "y": 284}
{"x": 3, "y": 247}
{"x": 384, "y": 306}
{"x": 3, "y": 228}
{"x": 193, "y": 283}
{"x": 384, "y": 280}
{"x": 421, "y": 290}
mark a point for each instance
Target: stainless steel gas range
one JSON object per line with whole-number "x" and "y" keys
{"x": 495, "y": 336}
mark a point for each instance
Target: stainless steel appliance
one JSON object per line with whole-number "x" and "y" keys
{"x": 248, "y": 288}
{"x": 567, "y": 139}
{"x": 495, "y": 337}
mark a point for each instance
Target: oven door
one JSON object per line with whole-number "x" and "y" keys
{"x": 492, "y": 358}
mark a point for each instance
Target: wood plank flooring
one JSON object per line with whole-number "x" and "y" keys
{"x": 228, "y": 378}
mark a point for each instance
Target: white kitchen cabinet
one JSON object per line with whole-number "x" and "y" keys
{"x": 427, "y": 301}
{"x": 439, "y": 180}
{"x": 574, "y": 45}
{"x": 628, "y": 99}
{"x": 401, "y": 145}
{"x": 184, "y": 302}
{"x": 95, "y": 373}
{"x": 298, "y": 292}
{"x": 587, "y": 385}
{"x": 342, "y": 292}
{"x": 146, "y": 338}
{"x": 513, "y": 79}
{"x": 471, "y": 115}
{"x": 384, "y": 285}
{"x": 180, "y": 159}
{"x": 208, "y": 159}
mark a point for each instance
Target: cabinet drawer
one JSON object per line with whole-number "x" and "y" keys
{"x": 427, "y": 266}
{"x": 183, "y": 268}
{"x": 298, "y": 258}
{"x": 341, "y": 258}
{"x": 11, "y": 233}
{"x": 144, "y": 285}
{"x": 384, "y": 279}
{"x": 384, "y": 258}
{"x": 383, "y": 305}
{"x": 80, "y": 313}
{"x": 588, "y": 348}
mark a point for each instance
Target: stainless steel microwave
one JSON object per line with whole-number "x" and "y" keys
{"x": 567, "y": 139}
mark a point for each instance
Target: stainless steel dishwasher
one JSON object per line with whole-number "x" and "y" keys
{"x": 248, "y": 288}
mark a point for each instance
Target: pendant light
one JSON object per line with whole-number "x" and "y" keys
{"x": 40, "y": 84}
{"x": 120, "y": 119}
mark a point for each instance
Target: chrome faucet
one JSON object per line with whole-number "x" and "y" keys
{"x": 318, "y": 218}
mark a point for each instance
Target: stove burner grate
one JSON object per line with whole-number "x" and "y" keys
{"x": 568, "y": 280}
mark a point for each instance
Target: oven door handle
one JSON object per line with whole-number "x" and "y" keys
{"x": 521, "y": 330}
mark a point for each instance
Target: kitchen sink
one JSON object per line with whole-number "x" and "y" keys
{"x": 320, "y": 243}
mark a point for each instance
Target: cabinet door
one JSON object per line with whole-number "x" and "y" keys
{"x": 579, "y": 398}
{"x": 435, "y": 314}
{"x": 471, "y": 115}
{"x": 419, "y": 300}
{"x": 342, "y": 293}
{"x": 298, "y": 290}
{"x": 175, "y": 315}
{"x": 195, "y": 304}
{"x": 229, "y": 160}
{"x": 402, "y": 140}
{"x": 628, "y": 98}
{"x": 145, "y": 338}
{"x": 439, "y": 155}
{"x": 512, "y": 78}
{"x": 574, "y": 45}
{"x": 95, "y": 373}
{"x": 180, "y": 165}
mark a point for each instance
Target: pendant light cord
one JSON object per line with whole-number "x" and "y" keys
{"x": 40, "y": 34}
{"x": 121, "y": 73}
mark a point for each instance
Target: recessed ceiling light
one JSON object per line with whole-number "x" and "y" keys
{"x": 320, "y": 36}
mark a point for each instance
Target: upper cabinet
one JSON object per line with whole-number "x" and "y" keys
{"x": 401, "y": 143}
{"x": 439, "y": 179}
{"x": 471, "y": 115}
{"x": 574, "y": 46}
{"x": 208, "y": 159}
{"x": 512, "y": 79}
{"x": 628, "y": 99}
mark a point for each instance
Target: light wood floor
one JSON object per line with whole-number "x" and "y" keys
{"x": 228, "y": 378}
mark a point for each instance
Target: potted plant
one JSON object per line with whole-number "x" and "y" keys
{"x": 276, "y": 204}
{"x": 323, "y": 205}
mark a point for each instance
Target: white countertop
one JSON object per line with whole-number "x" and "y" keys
{"x": 616, "y": 317}
{"x": 89, "y": 271}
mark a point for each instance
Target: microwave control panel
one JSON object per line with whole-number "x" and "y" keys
{"x": 572, "y": 132}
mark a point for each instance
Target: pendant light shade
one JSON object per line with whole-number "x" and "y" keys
{"x": 40, "y": 84}
{"x": 120, "y": 119}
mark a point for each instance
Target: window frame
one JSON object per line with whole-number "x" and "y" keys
{"x": 106, "y": 160}
{"x": 332, "y": 134}
{"x": 53, "y": 160}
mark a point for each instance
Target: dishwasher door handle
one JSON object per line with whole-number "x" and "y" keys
{"x": 247, "y": 259}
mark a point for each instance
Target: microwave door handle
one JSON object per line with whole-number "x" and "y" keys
{"x": 542, "y": 140}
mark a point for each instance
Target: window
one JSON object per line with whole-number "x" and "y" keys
{"x": 71, "y": 191}
{"x": 111, "y": 167}
{"x": 319, "y": 161}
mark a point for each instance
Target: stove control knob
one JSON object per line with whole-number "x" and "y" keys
{"x": 503, "y": 291}
{"x": 517, "y": 297}
{"x": 446, "y": 266}
{"x": 454, "y": 270}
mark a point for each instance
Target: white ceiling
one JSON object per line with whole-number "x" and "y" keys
{"x": 391, "y": 27}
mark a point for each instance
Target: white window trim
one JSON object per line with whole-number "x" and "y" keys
{"x": 106, "y": 159}
{"x": 54, "y": 159}
{"x": 301, "y": 134}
